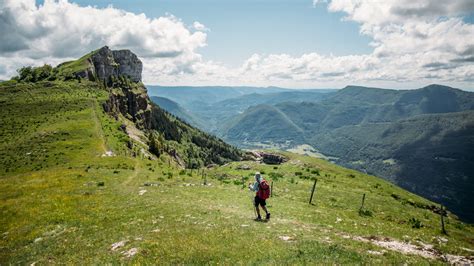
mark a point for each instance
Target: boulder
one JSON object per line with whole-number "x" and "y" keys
{"x": 270, "y": 158}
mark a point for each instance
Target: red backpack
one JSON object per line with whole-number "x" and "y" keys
{"x": 263, "y": 190}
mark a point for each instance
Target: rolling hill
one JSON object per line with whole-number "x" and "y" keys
{"x": 422, "y": 139}
{"x": 91, "y": 172}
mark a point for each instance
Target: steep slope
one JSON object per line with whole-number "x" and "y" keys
{"x": 177, "y": 110}
{"x": 118, "y": 73}
{"x": 404, "y": 136}
{"x": 76, "y": 187}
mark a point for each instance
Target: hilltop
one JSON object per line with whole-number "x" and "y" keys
{"x": 92, "y": 172}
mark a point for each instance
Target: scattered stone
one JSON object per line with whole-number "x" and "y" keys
{"x": 157, "y": 230}
{"x": 286, "y": 238}
{"x": 457, "y": 260}
{"x": 141, "y": 192}
{"x": 118, "y": 245}
{"x": 108, "y": 154}
{"x": 245, "y": 225}
{"x": 243, "y": 167}
{"x": 38, "y": 239}
{"x": 338, "y": 220}
{"x": 374, "y": 252}
{"x": 130, "y": 253}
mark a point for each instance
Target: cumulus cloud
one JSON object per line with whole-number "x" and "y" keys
{"x": 414, "y": 43}
{"x": 60, "y": 29}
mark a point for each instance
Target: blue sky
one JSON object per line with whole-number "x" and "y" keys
{"x": 241, "y": 28}
{"x": 288, "y": 43}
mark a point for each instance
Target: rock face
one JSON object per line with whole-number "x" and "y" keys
{"x": 133, "y": 104}
{"x": 130, "y": 100}
{"x": 105, "y": 63}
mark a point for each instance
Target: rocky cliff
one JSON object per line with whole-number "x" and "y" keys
{"x": 105, "y": 64}
{"x": 121, "y": 72}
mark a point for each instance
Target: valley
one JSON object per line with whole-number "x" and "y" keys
{"x": 92, "y": 172}
{"x": 422, "y": 140}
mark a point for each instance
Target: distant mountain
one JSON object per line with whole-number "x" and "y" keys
{"x": 175, "y": 109}
{"x": 186, "y": 95}
{"x": 213, "y": 115}
{"x": 420, "y": 139}
{"x": 263, "y": 123}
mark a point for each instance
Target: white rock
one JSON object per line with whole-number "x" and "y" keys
{"x": 130, "y": 253}
{"x": 141, "y": 192}
{"x": 286, "y": 238}
{"x": 118, "y": 245}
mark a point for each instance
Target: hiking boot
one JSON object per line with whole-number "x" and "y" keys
{"x": 258, "y": 219}
{"x": 267, "y": 217}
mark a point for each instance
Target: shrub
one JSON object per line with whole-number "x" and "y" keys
{"x": 298, "y": 173}
{"x": 367, "y": 213}
{"x": 315, "y": 171}
{"x": 415, "y": 223}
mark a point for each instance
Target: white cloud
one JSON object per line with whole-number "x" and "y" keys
{"x": 200, "y": 27}
{"x": 64, "y": 30}
{"x": 414, "y": 43}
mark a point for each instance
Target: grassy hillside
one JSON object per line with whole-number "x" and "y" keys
{"x": 421, "y": 139}
{"x": 65, "y": 199}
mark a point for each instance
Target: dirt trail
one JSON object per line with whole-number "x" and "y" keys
{"x": 98, "y": 126}
{"x": 133, "y": 175}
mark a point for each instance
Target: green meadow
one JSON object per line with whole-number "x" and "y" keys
{"x": 64, "y": 200}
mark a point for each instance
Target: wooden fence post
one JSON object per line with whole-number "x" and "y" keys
{"x": 362, "y": 205}
{"x": 312, "y": 191}
{"x": 442, "y": 213}
{"x": 271, "y": 190}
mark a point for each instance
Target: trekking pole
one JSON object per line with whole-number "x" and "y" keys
{"x": 252, "y": 199}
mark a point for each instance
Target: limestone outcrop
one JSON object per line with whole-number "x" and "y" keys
{"x": 105, "y": 63}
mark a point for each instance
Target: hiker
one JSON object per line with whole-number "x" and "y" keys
{"x": 262, "y": 190}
